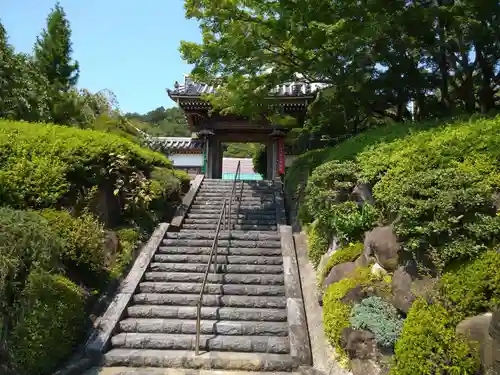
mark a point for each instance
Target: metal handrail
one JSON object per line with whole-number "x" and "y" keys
{"x": 213, "y": 252}
{"x": 236, "y": 175}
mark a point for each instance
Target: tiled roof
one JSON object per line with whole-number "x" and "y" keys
{"x": 191, "y": 88}
{"x": 181, "y": 143}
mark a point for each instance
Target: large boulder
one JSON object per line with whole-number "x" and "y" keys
{"x": 362, "y": 193}
{"x": 337, "y": 273}
{"x": 332, "y": 248}
{"x": 494, "y": 332}
{"x": 476, "y": 330}
{"x": 403, "y": 296}
{"x": 382, "y": 244}
{"x": 363, "y": 352}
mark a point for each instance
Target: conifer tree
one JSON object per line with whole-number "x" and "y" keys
{"x": 53, "y": 50}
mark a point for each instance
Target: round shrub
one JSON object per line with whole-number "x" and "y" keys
{"x": 26, "y": 244}
{"x": 473, "y": 287}
{"x": 379, "y": 317}
{"x": 347, "y": 253}
{"x": 317, "y": 242}
{"x": 336, "y": 313}
{"x": 53, "y": 321}
{"x": 83, "y": 238}
{"x": 429, "y": 345}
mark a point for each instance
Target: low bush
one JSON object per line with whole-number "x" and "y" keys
{"x": 379, "y": 317}
{"x": 347, "y": 253}
{"x": 336, "y": 313}
{"x": 317, "y": 242}
{"x": 51, "y": 324}
{"x": 83, "y": 255}
{"x": 429, "y": 345}
{"x": 472, "y": 288}
{"x": 47, "y": 166}
{"x": 440, "y": 184}
{"x": 129, "y": 239}
{"x": 26, "y": 245}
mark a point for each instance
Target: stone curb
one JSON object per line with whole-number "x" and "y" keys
{"x": 188, "y": 199}
{"x": 300, "y": 346}
{"x": 77, "y": 367}
{"x": 99, "y": 339}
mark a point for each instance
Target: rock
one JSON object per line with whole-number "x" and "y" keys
{"x": 354, "y": 295}
{"x": 111, "y": 246}
{"x": 334, "y": 246}
{"x": 378, "y": 270}
{"x": 494, "y": 332}
{"x": 362, "y": 345}
{"x": 383, "y": 244}
{"x": 401, "y": 290}
{"x": 366, "y": 367}
{"x": 362, "y": 261}
{"x": 476, "y": 330}
{"x": 339, "y": 272}
{"x": 362, "y": 193}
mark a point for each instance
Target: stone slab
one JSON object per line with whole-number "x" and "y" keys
{"x": 300, "y": 347}
{"x": 99, "y": 339}
{"x": 187, "y": 201}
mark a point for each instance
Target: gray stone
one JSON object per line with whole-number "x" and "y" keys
{"x": 187, "y": 201}
{"x": 383, "y": 244}
{"x": 362, "y": 193}
{"x": 221, "y": 259}
{"x": 354, "y": 295}
{"x": 242, "y": 251}
{"x": 221, "y": 268}
{"x": 361, "y": 345}
{"x": 339, "y": 272}
{"x": 401, "y": 290}
{"x": 263, "y": 279}
{"x": 366, "y": 367}
{"x": 223, "y": 289}
{"x": 173, "y": 242}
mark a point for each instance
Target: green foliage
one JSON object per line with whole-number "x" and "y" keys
{"x": 52, "y": 323}
{"x": 26, "y": 245}
{"x": 259, "y": 160}
{"x": 129, "y": 239}
{"x": 169, "y": 122}
{"x": 348, "y": 253}
{"x": 83, "y": 253}
{"x": 317, "y": 242}
{"x": 473, "y": 287}
{"x": 379, "y": 317}
{"x": 45, "y": 165}
{"x": 335, "y": 313}
{"x": 241, "y": 150}
{"x": 53, "y": 51}
{"x": 440, "y": 184}
{"x": 429, "y": 345}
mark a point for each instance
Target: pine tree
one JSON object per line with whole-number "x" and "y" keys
{"x": 53, "y": 50}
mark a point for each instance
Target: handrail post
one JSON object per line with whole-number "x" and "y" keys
{"x": 198, "y": 327}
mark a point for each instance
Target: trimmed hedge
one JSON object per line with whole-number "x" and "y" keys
{"x": 317, "y": 242}
{"x": 472, "y": 288}
{"x": 429, "y": 345}
{"x": 52, "y": 323}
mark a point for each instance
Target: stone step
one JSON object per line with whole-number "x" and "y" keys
{"x": 253, "y": 344}
{"x": 209, "y": 360}
{"x": 181, "y": 326}
{"x": 220, "y": 197}
{"x": 255, "y": 213}
{"x": 172, "y": 371}
{"x": 184, "y": 242}
{"x": 243, "y": 206}
{"x": 244, "y": 227}
{"x": 221, "y": 259}
{"x": 230, "y": 278}
{"x": 222, "y": 289}
{"x": 252, "y": 251}
{"x": 209, "y": 300}
{"x": 212, "y": 313}
{"x": 224, "y": 235}
{"x": 214, "y": 220}
{"x": 271, "y": 216}
{"x": 221, "y": 268}
{"x": 224, "y": 194}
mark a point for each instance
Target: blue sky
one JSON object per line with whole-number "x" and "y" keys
{"x": 129, "y": 47}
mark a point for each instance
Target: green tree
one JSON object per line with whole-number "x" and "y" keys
{"x": 53, "y": 50}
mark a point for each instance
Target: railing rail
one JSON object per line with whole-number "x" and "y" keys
{"x": 236, "y": 177}
{"x": 213, "y": 255}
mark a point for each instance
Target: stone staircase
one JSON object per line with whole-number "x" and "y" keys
{"x": 244, "y": 317}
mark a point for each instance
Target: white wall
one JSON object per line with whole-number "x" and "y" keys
{"x": 188, "y": 160}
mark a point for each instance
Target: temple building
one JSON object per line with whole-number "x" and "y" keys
{"x": 212, "y": 131}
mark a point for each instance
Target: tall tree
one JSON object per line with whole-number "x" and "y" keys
{"x": 53, "y": 50}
